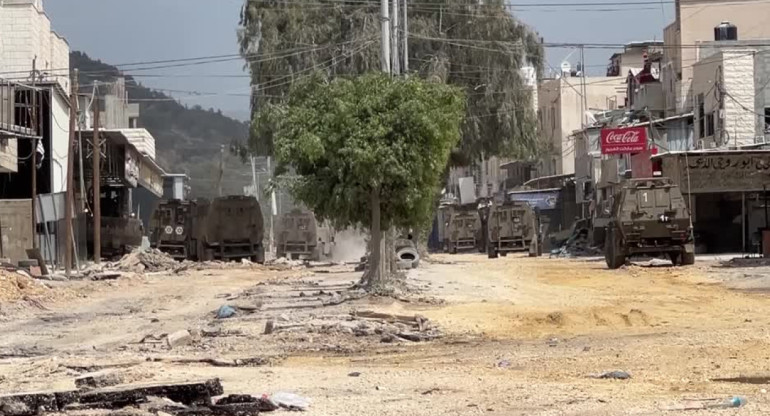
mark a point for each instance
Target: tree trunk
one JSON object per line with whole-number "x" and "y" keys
{"x": 382, "y": 254}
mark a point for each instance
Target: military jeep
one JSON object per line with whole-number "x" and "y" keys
{"x": 462, "y": 229}
{"x": 649, "y": 217}
{"x": 511, "y": 226}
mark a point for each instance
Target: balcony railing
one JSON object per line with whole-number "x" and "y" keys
{"x": 16, "y": 110}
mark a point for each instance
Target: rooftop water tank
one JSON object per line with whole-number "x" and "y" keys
{"x": 726, "y": 31}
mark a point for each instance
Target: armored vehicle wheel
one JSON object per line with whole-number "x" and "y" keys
{"x": 533, "y": 248}
{"x": 491, "y": 252}
{"x": 688, "y": 259}
{"x": 675, "y": 257}
{"x": 613, "y": 253}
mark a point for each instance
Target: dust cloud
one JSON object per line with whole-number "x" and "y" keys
{"x": 349, "y": 245}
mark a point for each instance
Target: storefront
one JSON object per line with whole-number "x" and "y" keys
{"x": 726, "y": 191}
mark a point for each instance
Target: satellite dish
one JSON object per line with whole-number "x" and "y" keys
{"x": 566, "y": 68}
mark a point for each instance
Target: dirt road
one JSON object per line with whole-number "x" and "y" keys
{"x": 522, "y": 337}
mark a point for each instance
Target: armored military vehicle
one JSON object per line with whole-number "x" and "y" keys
{"x": 462, "y": 230}
{"x": 226, "y": 228}
{"x": 649, "y": 216}
{"x": 300, "y": 236}
{"x": 511, "y": 226}
{"x": 171, "y": 228}
{"x": 119, "y": 235}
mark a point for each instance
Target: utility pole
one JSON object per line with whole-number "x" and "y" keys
{"x": 34, "y": 152}
{"x": 69, "y": 200}
{"x": 405, "y": 67}
{"x": 97, "y": 156}
{"x": 271, "y": 238}
{"x": 583, "y": 88}
{"x": 385, "y": 36}
{"x": 221, "y": 168}
{"x": 394, "y": 37}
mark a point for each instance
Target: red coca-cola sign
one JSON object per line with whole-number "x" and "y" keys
{"x": 624, "y": 140}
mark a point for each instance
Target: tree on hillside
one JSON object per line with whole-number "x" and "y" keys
{"x": 368, "y": 151}
{"x": 478, "y": 46}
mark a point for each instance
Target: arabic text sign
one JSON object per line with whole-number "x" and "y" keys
{"x": 720, "y": 173}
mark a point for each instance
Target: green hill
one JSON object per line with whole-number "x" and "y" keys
{"x": 187, "y": 139}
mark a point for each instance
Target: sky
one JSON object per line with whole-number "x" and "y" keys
{"x": 121, "y": 31}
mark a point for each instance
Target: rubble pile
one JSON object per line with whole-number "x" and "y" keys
{"x": 746, "y": 262}
{"x": 17, "y": 285}
{"x": 388, "y": 327}
{"x": 577, "y": 245}
{"x": 149, "y": 260}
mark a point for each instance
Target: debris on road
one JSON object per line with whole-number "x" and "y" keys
{"x": 179, "y": 339}
{"x": 701, "y": 404}
{"x": 354, "y": 374}
{"x": 152, "y": 260}
{"x": 225, "y": 311}
{"x": 98, "y": 379}
{"x": 188, "y": 393}
{"x": 290, "y": 401}
{"x": 15, "y": 286}
{"x": 30, "y": 404}
{"x": 179, "y": 399}
{"x": 614, "y": 375}
{"x": 746, "y": 262}
{"x": 755, "y": 379}
{"x": 577, "y": 245}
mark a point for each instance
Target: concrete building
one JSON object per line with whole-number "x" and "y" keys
{"x": 563, "y": 110}
{"x": 731, "y": 98}
{"x": 31, "y": 52}
{"x": 25, "y": 34}
{"x": 694, "y": 23}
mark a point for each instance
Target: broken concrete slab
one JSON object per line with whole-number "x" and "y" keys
{"x": 188, "y": 393}
{"x": 179, "y": 339}
{"x": 98, "y": 379}
{"x": 33, "y": 403}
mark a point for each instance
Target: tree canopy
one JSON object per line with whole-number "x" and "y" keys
{"x": 477, "y": 47}
{"x": 368, "y": 150}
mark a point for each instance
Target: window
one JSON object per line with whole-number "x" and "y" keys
{"x": 710, "y": 124}
{"x": 553, "y": 118}
{"x": 767, "y": 119}
{"x": 540, "y": 119}
{"x": 701, "y": 117}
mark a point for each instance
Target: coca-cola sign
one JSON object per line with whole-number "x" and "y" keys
{"x": 624, "y": 140}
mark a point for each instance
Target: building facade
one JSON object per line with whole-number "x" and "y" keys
{"x": 694, "y": 23}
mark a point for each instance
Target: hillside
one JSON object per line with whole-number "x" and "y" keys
{"x": 187, "y": 139}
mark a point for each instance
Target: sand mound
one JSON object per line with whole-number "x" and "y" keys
{"x": 16, "y": 286}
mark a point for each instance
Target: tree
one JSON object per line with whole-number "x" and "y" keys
{"x": 368, "y": 151}
{"x": 478, "y": 46}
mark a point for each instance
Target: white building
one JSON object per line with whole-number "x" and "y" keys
{"x": 27, "y": 43}
{"x": 26, "y": 35}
